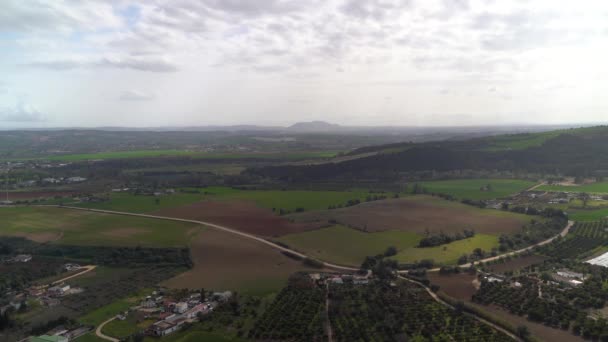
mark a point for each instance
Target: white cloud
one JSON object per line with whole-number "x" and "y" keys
{"x": 22, "y": 112}
{"x": 136, "y": 95}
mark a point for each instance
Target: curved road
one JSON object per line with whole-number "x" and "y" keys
{"x": 101, "y": 335}
{"x": 219, "y": 227}
{"x": 482, "y": 320}
{"x": 519, "y": 251}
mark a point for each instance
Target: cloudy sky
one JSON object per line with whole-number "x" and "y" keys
{"x": 275, "y": 62}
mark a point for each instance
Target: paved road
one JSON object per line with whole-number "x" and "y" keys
{"x": 101, "y": 335}
{"x": 222, "y": 228}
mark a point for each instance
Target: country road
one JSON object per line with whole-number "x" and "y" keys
{"x": 101, "y": 335}
{"x": 302, "y": 255}
{"x": 219, "y": 227}
{"x": 482, "y": 320}
{"x": 87, "y": 268}
{"x": 563, "y": 233}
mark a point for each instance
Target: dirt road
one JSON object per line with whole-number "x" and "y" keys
{"x": 87, "y": 268}
{"x": 101, "y": 335}
{"x": 482, "y": 320}
{"x": 222, "y": 228}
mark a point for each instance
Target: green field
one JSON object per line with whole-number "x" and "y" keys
{"x": 471, "y": 188}
{"x": 519, "y": 141}
{"x": 76, "y": 227}
{"x": 193, "y": 154}
{"x": 588, "y": 215}
{"x": 289, "y": 200}
{"x": 126, "y": 328}
{"x": 349, "y": 246}
{"x": 449, "y": 253}
{"x": 599, "y": 187}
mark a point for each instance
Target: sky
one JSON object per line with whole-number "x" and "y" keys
{"x": 79, "y": 63}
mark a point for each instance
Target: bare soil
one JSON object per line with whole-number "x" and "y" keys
{"x": 459, "y": 286}
{"x": 41, "y": 237}
{"x": 223, "y": 261}
{"x": 242, "y": 215}
{"x": 516, "y": 263}
{"x": 417, "y": 214}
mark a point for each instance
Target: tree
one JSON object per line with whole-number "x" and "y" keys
{"x": 390, "y": 251}
{"x": 522, "y": 331}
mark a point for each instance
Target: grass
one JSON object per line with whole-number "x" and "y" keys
{"x": 587, "y": 215}
{"x": 126, "y": 328}
{"x": 347, "y": 246}
{"x": 90, "y": 337}
{"x": 449, "y": 253}
{"x": 75, "y": 227}
{"x": 194, "y": 154}
{"x": 520, "y": 141}
{"x": 288, "y": 200}
{"x": 471, "y": 188}
{"x": 599, "y": 187}
{"x": 104, "y": 313}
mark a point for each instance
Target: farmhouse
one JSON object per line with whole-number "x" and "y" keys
{"x": 180, "y": 307}
{"x": 570, "y": 274}
{"x": 22, "y": 258}
{"x": 59, "y": 290}
{"x": 163, "y": 328}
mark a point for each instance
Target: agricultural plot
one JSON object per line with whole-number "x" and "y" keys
{"x": 348, "y": 246}
{"x": 458, "y": 286}
{"x": 582, "y": 240}
{"x": 599, "y": 187}
{"x": 273, "y": 200}
{"x": 295, "y": 315}
{"x": 588, "y": 214}
{"x": 477, "y": 189}
{"x": 75, "y": 227}
{"x": 223, "y": 261}
{"x": 378, "y": 312}
{"x": 420, "y": 214}
{"x": 192, "y": 154}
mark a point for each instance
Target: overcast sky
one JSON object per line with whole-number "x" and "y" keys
{"x": 273, "y": 62}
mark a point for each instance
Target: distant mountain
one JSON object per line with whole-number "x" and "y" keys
{"x": 314, "y": 126}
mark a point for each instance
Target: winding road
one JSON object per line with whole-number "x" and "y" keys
{"x": 326, "y": 264}
{"x": 101, "y": 335}
{"x": 219, "y": 227}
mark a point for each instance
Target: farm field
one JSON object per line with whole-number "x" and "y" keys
{"x": 599, "y": 187}
{"x": 458, "y": 286}
{"x": 75, "y": 227}
{"x": 587, "y": 214}
{"x": 519, "y": 141}
{"x": 516, "y": 264}
{"x": 471, "y": 188}
{"x": 419, "y": 214}
{"x": 449, "y": 253}
{"x": 288, "y": 200}
{"x": 185, "y": 153}
{"x": 242, "y": 215}
{"x": 347, "y": 246}
{"x": 223, "y": 261}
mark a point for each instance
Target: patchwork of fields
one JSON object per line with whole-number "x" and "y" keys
{"x": 599, "y": 187}
{"x": 268, "y": 199}
{"x": 472, "y": 188}
{"x": 420, "y": 214}
{"x": 75, "y": 227}
{"x": 226, "y": 261}
{"x": 349, "y": 246}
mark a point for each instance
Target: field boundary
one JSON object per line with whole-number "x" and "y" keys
{"x": 219, "y": 227}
